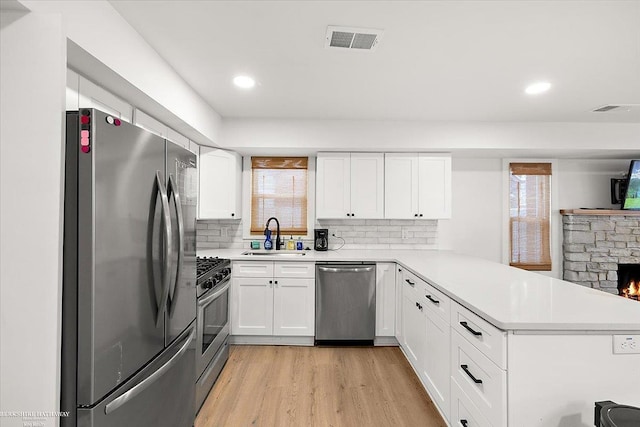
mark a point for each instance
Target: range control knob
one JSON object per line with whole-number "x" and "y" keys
{"x": 208, "y": 284}
{"x": 226, "y": 271}
{"x": 219, "y": 277}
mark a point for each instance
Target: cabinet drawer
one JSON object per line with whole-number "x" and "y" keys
{"x": 301, "y": 270}
{"x": 483, "y": 335}
{"x": 437, "y": 301}
{"x": 463, "y": 411}
{"x": 480, "y": 378}
{"x": 412, "y": 285}
{"x": 252, "y": 269}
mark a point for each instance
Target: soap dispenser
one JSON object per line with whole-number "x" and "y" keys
{"x": 291, "y": 245}
{"x": 268, "y": 244}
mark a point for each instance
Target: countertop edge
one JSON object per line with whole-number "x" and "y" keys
{"x": 516, "y": 327}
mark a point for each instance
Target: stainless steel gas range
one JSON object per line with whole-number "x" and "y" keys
{"x": 212, "y": 320}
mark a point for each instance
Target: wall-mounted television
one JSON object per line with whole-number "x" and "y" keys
{"x": 631, "y": 199}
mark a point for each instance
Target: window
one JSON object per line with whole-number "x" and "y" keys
{"x": 529, "y": 215}
{"x": 279, "y": 189}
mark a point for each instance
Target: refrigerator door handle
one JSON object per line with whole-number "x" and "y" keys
{"x": 141, "y": 386}
{"x": 173, "y": 193}
{"x": 168, "y": 248}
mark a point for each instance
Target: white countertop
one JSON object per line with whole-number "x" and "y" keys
{"x": 507, "y": 297}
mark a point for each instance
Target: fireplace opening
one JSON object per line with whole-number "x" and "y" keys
{"x": 629, "y": 281}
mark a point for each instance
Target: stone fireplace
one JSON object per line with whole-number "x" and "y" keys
{"x": 601, "y": 248}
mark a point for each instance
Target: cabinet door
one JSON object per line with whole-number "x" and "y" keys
{"x": 436, "y": 360}
{"x": 367, "y": 185}
{"x": 435, "y": 187}
{"x": 333, "y": 190}
{"x": 399, "y": 303}
{"x": 220, "y": 176}
{"x": 252, "y": 306}
{"x": 177, "y": 138}
{"x": 413, "y": 328}
{"x": 401, "y": 185}
{"x": 93, "y": 96}
{"x": 385, "y": 299}
{"x": 293, "y": 307}
{"x": 72, "y": 95}
{"x": 147, "y": 122}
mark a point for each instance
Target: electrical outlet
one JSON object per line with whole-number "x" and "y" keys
{"x": 405, "y": 233}
{"x": 626, "y": 344}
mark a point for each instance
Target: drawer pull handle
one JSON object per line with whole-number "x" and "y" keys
{"x": 464, "y": 423}
{"x": 410, "y": 282}
{"x": 419, "y": 306}
{"x": 466, "y": 326}
{"x": 465, "y": 368}
{"x": 430, "y": 298}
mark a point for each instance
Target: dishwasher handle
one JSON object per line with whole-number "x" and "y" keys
{"x": 346, "y": 268}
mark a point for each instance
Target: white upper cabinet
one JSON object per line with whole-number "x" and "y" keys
{"x": 367, "y": 185}
{"x": 401, "y": 185}
{"x": 147, "y": 122}
{"x": 220, "y": 184}
{"x": 93, "y": 96}
{"x": 417, "y": 186}
{"x": 177, "y": 138}
{"x": 72, "y": 101}
{"x": 435, "y": 186}
{"x": 333, "y": 189}
{"x": 350, "y": 185}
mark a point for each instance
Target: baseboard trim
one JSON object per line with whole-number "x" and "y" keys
{"x": 270, "y": 340}
{"x": 385, "y": 342}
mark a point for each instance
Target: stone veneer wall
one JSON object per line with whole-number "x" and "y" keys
{"x": 594, "y": 245}
{"x": 357, "y": 234}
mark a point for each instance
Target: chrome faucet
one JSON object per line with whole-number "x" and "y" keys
{"x": 266, "y": 227}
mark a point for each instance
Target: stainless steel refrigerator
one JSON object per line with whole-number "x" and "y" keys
{"x": 129, "y": 295}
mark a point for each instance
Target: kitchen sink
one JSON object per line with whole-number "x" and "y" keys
{"x": 275, "y": 253}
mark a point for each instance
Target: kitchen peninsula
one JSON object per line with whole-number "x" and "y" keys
{"x": 520, "y": 348}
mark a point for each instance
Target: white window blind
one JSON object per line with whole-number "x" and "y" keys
{"x": 529, "y": 212}
{"x": 279, "y": 189}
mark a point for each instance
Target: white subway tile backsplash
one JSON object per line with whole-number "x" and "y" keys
{"x": 354, "y": 233}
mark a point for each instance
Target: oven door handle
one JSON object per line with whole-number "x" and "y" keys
{"x": 206, "y": 300}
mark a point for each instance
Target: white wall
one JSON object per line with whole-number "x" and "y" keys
{"x": 97, "y": 28}
{"x": 32, "y": 56}
{"x": 475, "y": 227}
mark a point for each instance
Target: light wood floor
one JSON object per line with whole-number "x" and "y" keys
{"x": 317, "y": 386}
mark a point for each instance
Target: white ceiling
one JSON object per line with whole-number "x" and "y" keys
{"x": 437, "y": 60}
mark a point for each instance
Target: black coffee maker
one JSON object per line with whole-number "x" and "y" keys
{"x": 321, "y": 239}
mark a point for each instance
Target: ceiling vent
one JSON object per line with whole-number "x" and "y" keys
{"x": 363, "y": 39}
{"x": 617, "y": 108}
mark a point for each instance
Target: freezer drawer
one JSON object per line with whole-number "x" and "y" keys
{"x": 156, "y": 396}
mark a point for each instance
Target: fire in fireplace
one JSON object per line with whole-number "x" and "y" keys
{"x": 629, "y": 281}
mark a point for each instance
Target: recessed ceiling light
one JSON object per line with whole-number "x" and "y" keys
{"x": 245, "y": 82}
{"x": 537, "y": 88}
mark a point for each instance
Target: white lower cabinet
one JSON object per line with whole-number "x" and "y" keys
{"x": 437, "y": 359}
{"x": 425, "y": 336}
{"x": 413, "y": 328}
{"x": 273, "y": 298}
{"x": 293, "y": 307}
{"x": 463, "y": 412}
{"x": 252, "y": 306}
{"x": 385, "y": 299}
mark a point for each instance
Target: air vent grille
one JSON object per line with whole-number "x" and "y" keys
{"x": 363, "y": 39}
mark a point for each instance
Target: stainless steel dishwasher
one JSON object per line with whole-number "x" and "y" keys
{"x": 345, "y": 303}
